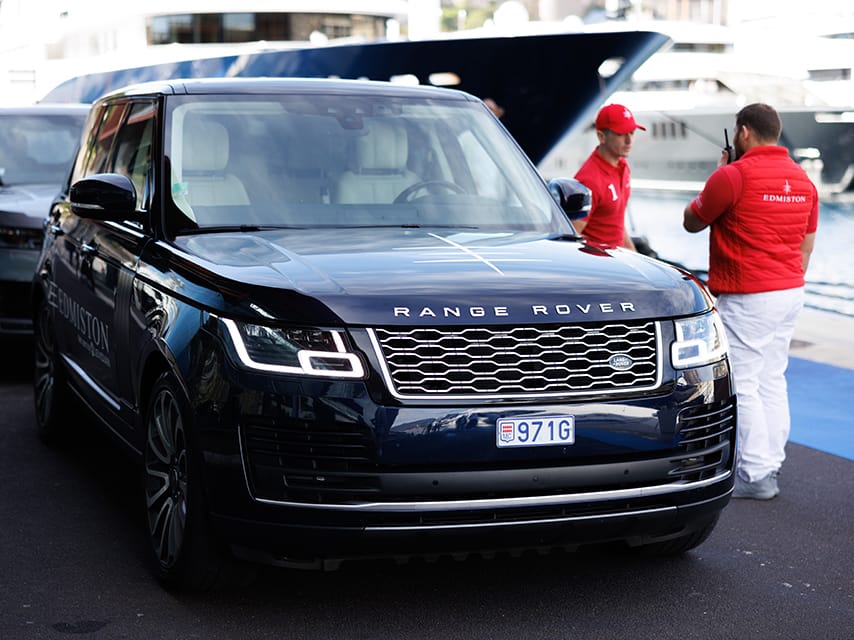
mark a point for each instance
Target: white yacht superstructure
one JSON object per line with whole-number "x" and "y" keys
{"x": 43, "y": 43}
{"x": 686, "y": 94}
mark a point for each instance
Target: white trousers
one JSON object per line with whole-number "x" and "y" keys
{"x": 759, "y": 328}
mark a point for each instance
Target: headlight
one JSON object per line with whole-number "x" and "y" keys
{"x": 301, "y": 351}
{"x": 20, "y": 238}
{"x": 699, "y": 341}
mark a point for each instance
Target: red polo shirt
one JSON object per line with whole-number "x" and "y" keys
{"x": 610, "y": 190}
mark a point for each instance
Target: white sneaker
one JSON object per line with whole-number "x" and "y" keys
{"x": 763, "y": 489}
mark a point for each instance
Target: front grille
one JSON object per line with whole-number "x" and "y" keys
{"x": 707, "y": 439}
{"x": 480, "y": 362}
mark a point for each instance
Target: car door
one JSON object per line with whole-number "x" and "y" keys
{"x": 95, "y": 269}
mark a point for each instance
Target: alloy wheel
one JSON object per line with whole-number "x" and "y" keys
{"x": 166, "y": 473}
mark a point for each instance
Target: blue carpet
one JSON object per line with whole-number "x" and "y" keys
{"x": 821, "y": 402}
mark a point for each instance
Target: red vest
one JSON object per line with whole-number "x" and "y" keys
{"x": 756, "y": 245}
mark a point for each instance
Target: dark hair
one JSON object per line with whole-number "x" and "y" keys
{"x": 762, "y": 119}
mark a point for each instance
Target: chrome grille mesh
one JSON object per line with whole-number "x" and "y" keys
{"x": 556, "y": 359}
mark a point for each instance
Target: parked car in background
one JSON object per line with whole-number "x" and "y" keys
{"x": 37, "y": 144}
{"x": 333, "y": 319}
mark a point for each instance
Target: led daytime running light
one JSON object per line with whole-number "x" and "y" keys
{"x": 339, "y": 364}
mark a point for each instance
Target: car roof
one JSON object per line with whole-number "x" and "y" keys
{"x": 243, "y": 86}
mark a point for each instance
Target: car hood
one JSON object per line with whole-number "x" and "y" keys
{"x": 424, "y": 276}
{"x": 29, "y": 203}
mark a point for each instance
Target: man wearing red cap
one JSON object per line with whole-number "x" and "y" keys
{"x": 606, "y": 173}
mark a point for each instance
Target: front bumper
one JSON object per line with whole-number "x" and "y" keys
{"x": 319, "y": 470}
{"x": 298, "y": 545}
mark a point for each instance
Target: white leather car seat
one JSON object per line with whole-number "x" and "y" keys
{"x": 204, "y": 160}
{"x": 377, "y": 170}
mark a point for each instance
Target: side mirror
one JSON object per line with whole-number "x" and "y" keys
{"x": 572, "y": 196}
{"x": 104, "y": 196}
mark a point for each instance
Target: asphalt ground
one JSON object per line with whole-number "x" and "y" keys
{"x": 71, "y": 545}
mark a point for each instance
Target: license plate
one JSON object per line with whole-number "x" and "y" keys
{"x": 535, "y": 432}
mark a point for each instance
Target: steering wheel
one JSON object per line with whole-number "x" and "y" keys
{"x": 428, "y": 186}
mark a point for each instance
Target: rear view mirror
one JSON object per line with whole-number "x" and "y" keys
{"x": 104, "y": 196}
{"x": 572, "y": 196}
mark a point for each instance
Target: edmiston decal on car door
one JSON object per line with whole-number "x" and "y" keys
{"x": 93, "y": 334}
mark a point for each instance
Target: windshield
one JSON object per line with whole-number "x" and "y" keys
{"x": 310, "y": 160}
{"x": 38, "y": 148}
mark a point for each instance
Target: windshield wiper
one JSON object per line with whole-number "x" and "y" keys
{"x": 240, "y": 228}
{"x": 405, "y": 226}
{"x": 249, "y": 228}
{"x": 564, "y": 236}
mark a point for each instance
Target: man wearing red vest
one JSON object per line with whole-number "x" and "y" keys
{"x": 762, "y": 211}
{"x": 606, "y": 173}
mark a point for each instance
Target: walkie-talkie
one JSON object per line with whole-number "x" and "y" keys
{"x": 727, "y": 147}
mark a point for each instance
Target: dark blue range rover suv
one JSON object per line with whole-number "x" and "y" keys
{"x": 334, "y": 319}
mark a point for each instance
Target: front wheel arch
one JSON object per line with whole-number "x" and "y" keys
{"x": 52, "y": 398}
{"x": 184, "y": 551}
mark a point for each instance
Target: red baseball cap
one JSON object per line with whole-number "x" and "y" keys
{"x": 617, "y": 118}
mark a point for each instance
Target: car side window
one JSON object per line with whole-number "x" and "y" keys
{"x": 133, "y": 149}
{"x": 96, "y": 158}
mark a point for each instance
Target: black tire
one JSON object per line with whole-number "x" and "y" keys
{"x": 52, "y": 398}
{"x": 680, "y": 544}
{"x": 186, "y": 555}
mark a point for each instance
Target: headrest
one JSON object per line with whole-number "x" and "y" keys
{"x": 383, "y": 147}
{"x": 205, "y": 145}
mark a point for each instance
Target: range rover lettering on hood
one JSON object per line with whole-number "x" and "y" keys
{"x": 504, "y": 311}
